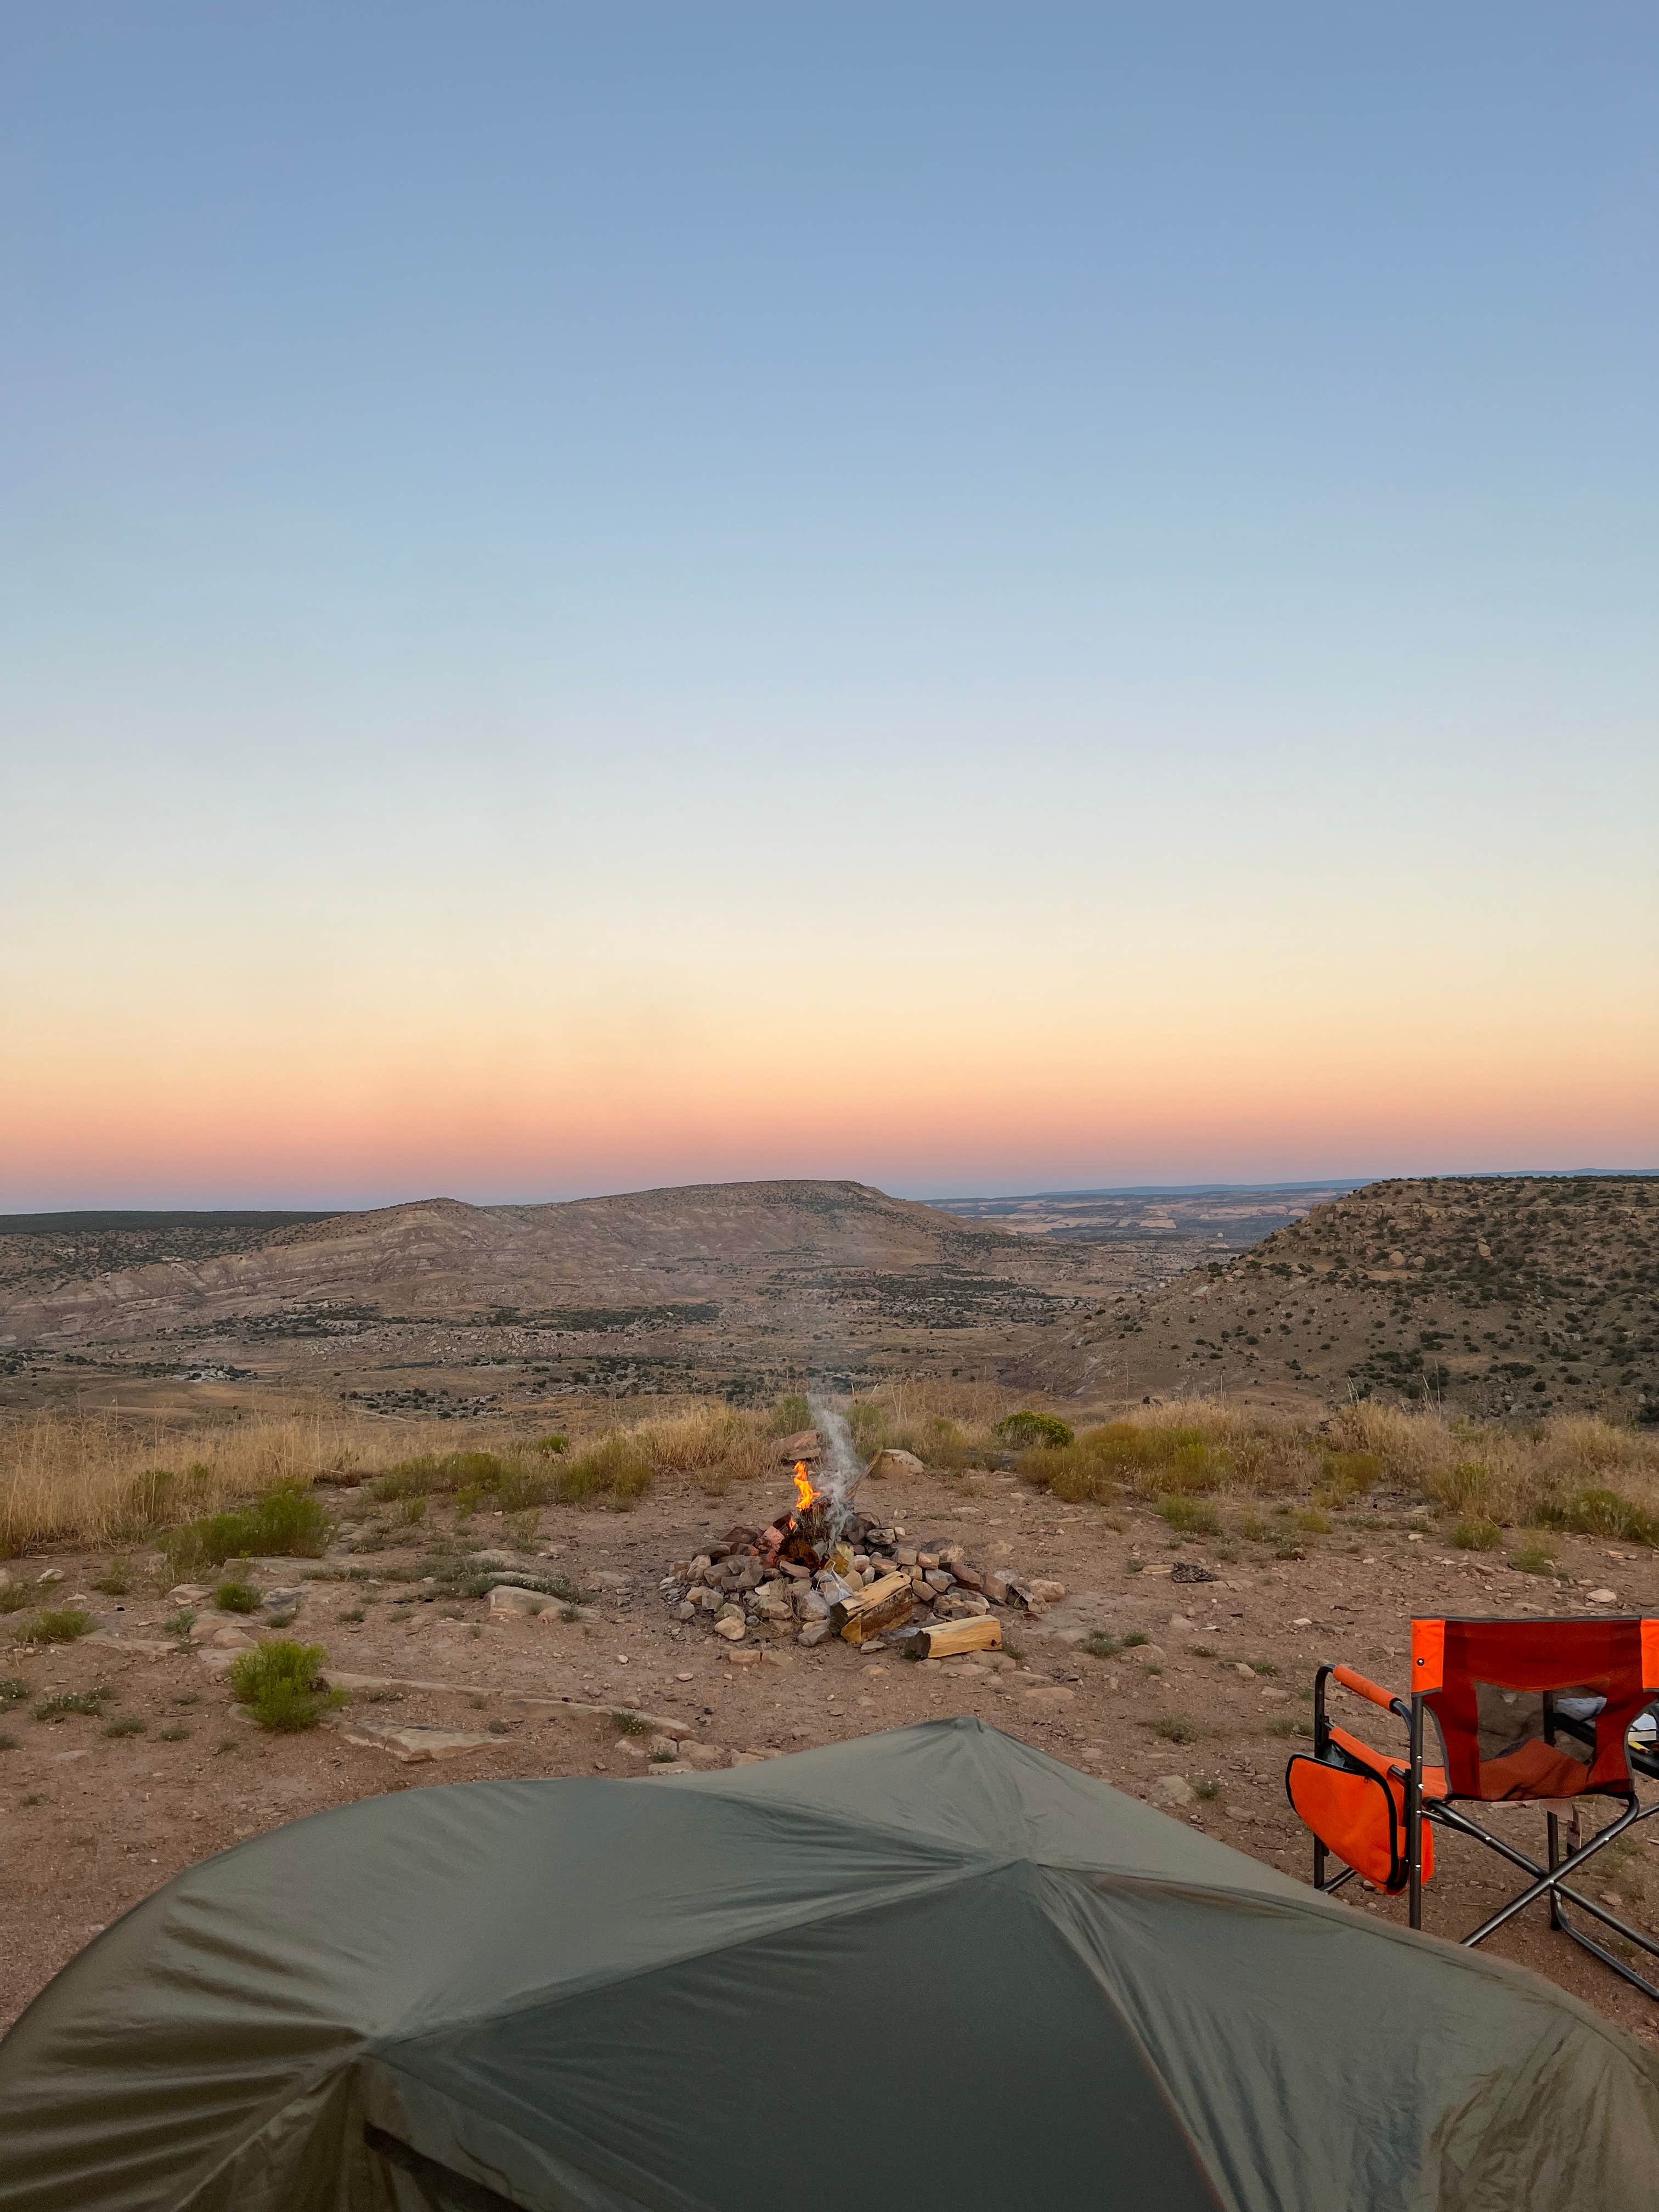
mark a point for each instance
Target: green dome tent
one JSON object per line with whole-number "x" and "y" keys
{"x": 934, "y": 1967}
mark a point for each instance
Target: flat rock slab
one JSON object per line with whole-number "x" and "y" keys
{"x": 409, "y": 1745}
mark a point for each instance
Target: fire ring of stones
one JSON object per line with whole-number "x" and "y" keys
{"x": 819, "y": 1571}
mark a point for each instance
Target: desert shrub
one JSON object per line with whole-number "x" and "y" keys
{"x": 1469, "y": 1488}
{"x": 1018, "y": 1431}
{"x": 281, "y": 1685}
{"x": 125, "y": 1724}
{"x": 1207, "y": 1791}
{"x": 626, "y": 1724}
{"x": 867, "y": 1426}
{"x": 14, "y": 1597}
{"x": 467, "y": 1477}
{"x": 1311, "y": 1521}
{"x": 9, "y": 1743}
{"x": 288, "y": 1521}
{"x": 1099, "y": 1645}
{"x": 552, "y": 1446}
{"x": 13, "y": 1690}
{"x": 1602, "y": 1512}
{"x": 1191, "y": 1517}
{"x": 115, "y": 1581}
{"x": 90, "y": 1704}
{"x": 1125, "y": 1455}
{"x": 57, "y": 1625}
{"x": 1535, "y": 1558}
{"x": 175, "y": 1734}
{"x": 1475, "y": 1533}
{"x": 236, "y": 1597}
{"x": 618, "y": 1467}
{"x": 1350, "y": 1474}
{"x": 790, "y": 1415}
{"x": 1173, "y": 1727}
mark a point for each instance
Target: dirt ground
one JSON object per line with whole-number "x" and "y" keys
{"x": 91, "y": 1822}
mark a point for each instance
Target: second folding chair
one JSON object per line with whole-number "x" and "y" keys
{"x": 1536, "y": 1712}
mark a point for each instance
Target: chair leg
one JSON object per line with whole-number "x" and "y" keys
{"x": 1600, "y": 1951}
{"x": 1550, "y": 1879}
{"x": 1552, "y": 1823}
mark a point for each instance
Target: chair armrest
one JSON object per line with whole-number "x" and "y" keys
{"x": 1362, "y": 1686}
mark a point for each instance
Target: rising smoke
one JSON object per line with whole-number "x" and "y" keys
{"x": 840, "y": 1469}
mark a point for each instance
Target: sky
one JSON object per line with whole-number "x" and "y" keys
{"x": 979, "y": 597}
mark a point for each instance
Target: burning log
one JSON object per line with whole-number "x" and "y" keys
{"x": 871, "y": 1610}
{"x": 980, "y": 1632}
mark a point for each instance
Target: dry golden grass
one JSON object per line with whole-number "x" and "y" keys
{"x": 1576, "y": 1473}
{"x": 108, "y": 1478}
{"x": 88, "y": 1477}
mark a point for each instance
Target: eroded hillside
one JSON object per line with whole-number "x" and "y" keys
{"x": 1491, "y": 1295}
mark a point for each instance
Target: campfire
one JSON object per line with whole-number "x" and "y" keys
{"x": 821, "y": 1568}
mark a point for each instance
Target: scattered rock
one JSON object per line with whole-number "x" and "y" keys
{"x": 894, "y": 1463}
{"x": 185, "y": 1593}
{"x": 804, "y": 1444}
{"x": 408, "y": 1745}
{"x": 731, "y": 1626}
{"x": 1145, "y": 1655}
{"x": 749, "y": 1656}
{"x": 1188, "y": 1570}
{"x": 1175, "y": 1790}
{"x": 508, "y": 1602}
{"x": 1604, "y": 1598}
{"x": 52, "y": 1575}
{"x": 1053, "y": 1694}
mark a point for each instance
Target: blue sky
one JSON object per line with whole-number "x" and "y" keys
{"x": 581, "y": 539}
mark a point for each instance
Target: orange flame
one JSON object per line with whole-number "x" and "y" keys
{"x": 805, "y": 1492}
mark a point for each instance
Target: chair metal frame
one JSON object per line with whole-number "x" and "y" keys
{"x": 1547, "y": 1881}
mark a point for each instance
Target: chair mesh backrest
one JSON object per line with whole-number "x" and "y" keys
{"x": 1535, "y": 1708}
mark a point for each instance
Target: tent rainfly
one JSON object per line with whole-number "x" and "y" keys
{"x": 692, "y": 1993}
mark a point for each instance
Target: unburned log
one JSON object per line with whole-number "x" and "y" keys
{"x": 868, "y": 1612}
{"x": 980, "y": 1632}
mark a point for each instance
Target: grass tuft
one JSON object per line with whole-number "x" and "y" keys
{"x": 61, "y": 1624}
{"x": 281, "y": 1685}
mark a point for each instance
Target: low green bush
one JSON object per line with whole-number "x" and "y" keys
{"x": 88, "y": 1702}
{"x": 288, "y": 1521}
{"x": 281, "y": 1684}
{"x": 1190, "y": 1516}
{"x": 1173, "y": 1727}
{"x": 14, "y": 1597}
{"x": 468, "y": 1477}
{"x": 1599, "y": 1512}
{"x": 617, "y": 1467}
{"x": 57, "y": 1625}
{"x": 236, "y": 1597}
{"x": 790, "y": 1415}
{"x": 1476, "y": 1534}
{"x": 1018, "y": 1431}
{"x": 125, "y": 1724}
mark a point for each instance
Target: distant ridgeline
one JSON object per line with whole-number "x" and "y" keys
{"x": 80, "y": 1224}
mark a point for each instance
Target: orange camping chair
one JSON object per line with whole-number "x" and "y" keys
{"x": 1527, "y": 1712}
